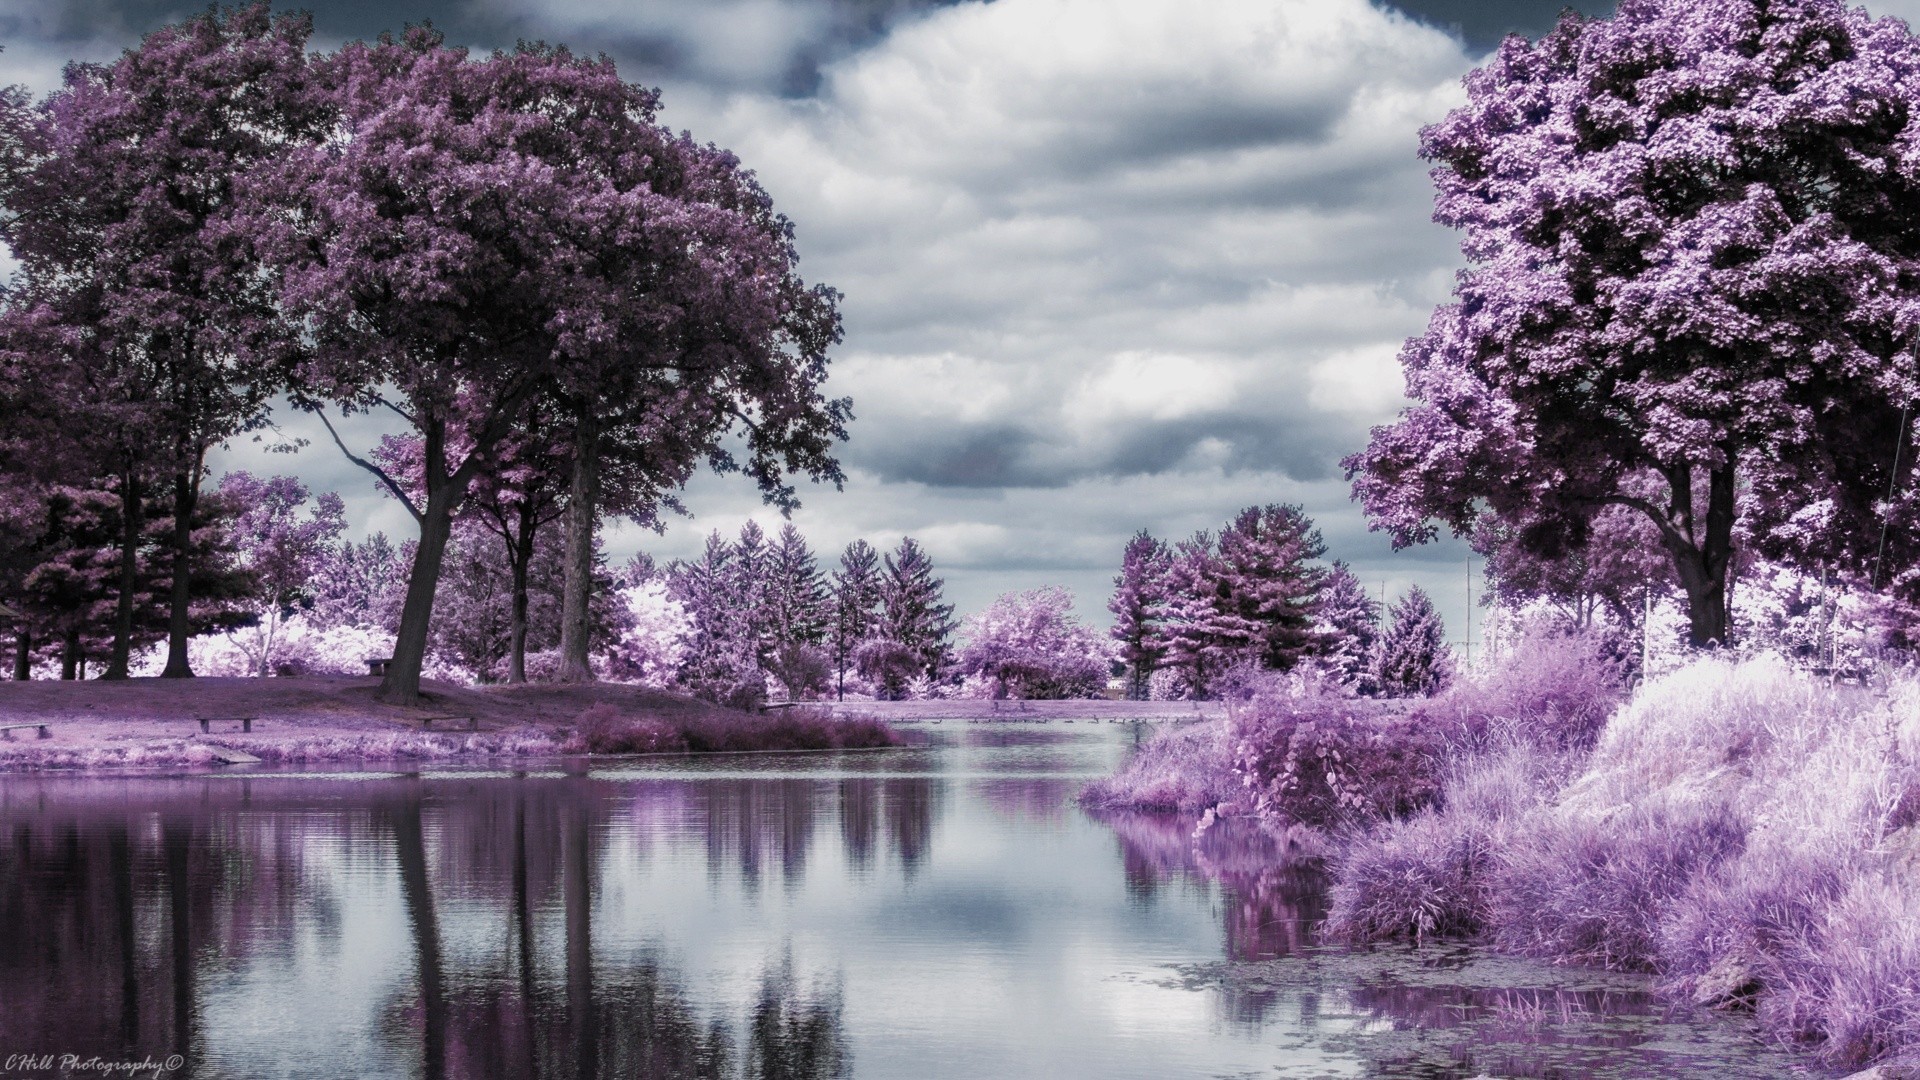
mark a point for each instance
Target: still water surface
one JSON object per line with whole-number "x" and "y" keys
{"x": 938, "y": 911}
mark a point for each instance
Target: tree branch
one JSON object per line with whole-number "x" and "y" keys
{"x": 392, "y": 486}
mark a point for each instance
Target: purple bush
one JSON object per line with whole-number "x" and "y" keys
{"x": 1552, "y": 689}
{"x": 1594, "y": 891}
{"x": 1185, "y": 769}
{"x": 1419, "y": 878}
{"x": 1326, "y": 761}
{"x": 602, "y": 729}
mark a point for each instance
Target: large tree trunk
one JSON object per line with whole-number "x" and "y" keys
{"x": 522, "y": 560}
{"x": 583, "y": 498}
{"x": 132, "y": 523}
{"x": 1703, "y": 565}
{"x": 23, "y": 655}
{"x": 70, "y": 657}
{"x": 402, "y": 683}
{"x": 186, "y": 501}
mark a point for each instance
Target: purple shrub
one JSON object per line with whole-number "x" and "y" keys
{"x": 1552, "y": 689}
{"x": 1594, "y": 891}
{"x": 1415, "y": 879}
{"x": 1326, "y": 761}
{"x": 1428, "y": 875}
{"x": 602, "y": 729}
{"x": 1184, "y": 769}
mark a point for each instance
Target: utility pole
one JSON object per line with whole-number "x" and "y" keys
{"x": 1469, "y": 634}
{"x": 1646, "y": 628}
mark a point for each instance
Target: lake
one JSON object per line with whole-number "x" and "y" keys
{"x": 943, "y": 910}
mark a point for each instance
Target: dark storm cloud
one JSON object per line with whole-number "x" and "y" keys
{"x": 1483, "y": 23}
{"x": 670, "y": 41}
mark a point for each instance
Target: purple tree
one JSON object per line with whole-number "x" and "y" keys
{"x": 121, "y": 198}
{"x": 1184, "y": 637}
{"x": 856, "y": 607}
{"x": 1692, "y": 243}
{"x": 912, "y": 615}
{"x": 1138, "y": 606}
{"x": 281, "y": 550}
{"x": 1031, "y": 645}
{"x": 1265, "y": 587}
{"x": 431, "y": 252}
{"x": 1349, "y": 627}
{"x": 1413, "y": 658}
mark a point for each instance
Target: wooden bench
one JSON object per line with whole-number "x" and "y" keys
{"x": 6, "y": 730}
{"x": 473, "y": 722}
{"x": 378, "y": 667}
{"x": 207, "y": 722}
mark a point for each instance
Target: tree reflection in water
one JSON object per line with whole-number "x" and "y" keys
{"x": 124, "y": 900}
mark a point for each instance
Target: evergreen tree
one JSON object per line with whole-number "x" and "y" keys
{"x": 912, "y": 615}
{"x": 797, "y": 605}
{"x": 1265, "y": 587}
{"x": 856, "y": 606}
{"x": 1414, "y": 660}
{"x": 720, "y": 663}
{"x": 751, "y": 564}
{"x": 1349, "y": 626}
{"x": 1184, "y": 637}
{"x": 360, "y": 585}
{"x": 1139, "y": 605}
{"x": 798, "y": 614}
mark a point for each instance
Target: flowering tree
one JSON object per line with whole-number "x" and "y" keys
{"x": 651, "y": 645}
{"x": 1138, "y": 604}
{"x": 121, "y": 199}
{"x": 1691, "y": 258}
{"x": 279, "y": 548}
{"x": 1030, "y": 645}
{"x": 1413, "y": 658}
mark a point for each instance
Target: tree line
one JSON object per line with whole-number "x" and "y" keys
{"x": 567, "y": 307}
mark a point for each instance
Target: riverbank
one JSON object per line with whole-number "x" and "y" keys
{"x": 1746, "y": 835}
{"x": 147, "y": 723}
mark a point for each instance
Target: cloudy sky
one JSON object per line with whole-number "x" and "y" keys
{"x": 1108, "y": 264}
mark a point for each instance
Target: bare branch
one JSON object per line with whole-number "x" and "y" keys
{"x": 395, "y": 488}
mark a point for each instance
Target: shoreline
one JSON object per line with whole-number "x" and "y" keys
{"x": 149, "y": 723}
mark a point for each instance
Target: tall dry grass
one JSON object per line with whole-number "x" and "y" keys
{"x": 1740, "y": 828}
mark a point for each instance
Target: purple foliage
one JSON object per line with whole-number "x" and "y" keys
{"x": 1654, "y": 284}
{"x": 603, "y": 729}
{"x": 1413, "y": 659}
{"x": 1555, "y": 689}
{"x": 1031, "y": 645}
{"x": 1187, "y": 769}
{"x": 1565, "y": 889}
{"x": 1325, "y": 761}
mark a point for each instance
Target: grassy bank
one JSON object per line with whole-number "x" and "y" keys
{"x": 1744, "y": 832}
{"x": 153, "y": 723}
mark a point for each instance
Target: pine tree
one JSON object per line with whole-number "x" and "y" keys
{"x": 1349, "y": 626}
{"x": 720, "y": 651}
{"x": 1265, "y": 587}
{"x": 797, "y": 604}
{"x": 1139, "y": 605}
{"x": 856, "y": 606}
{"x": 1414, "y": 660}
{"x": 1184, "y": 637}
{"x": 911, "y": 612}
